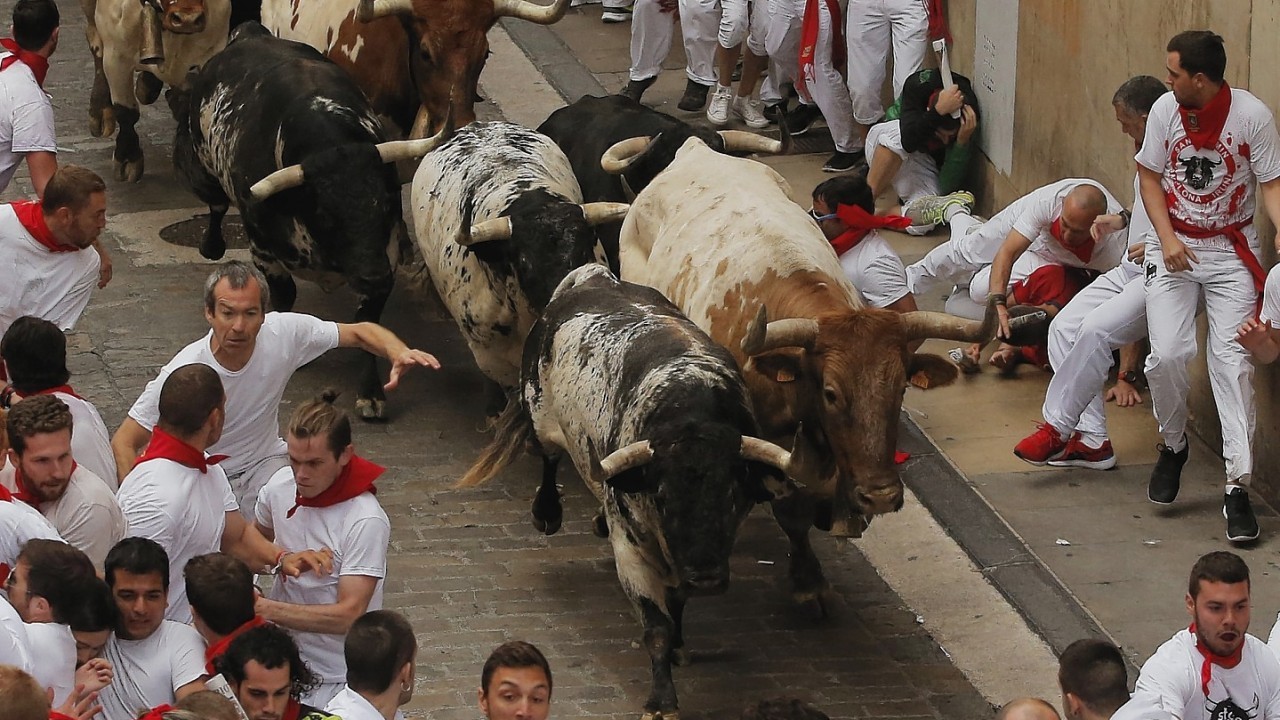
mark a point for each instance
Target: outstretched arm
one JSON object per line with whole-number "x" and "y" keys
{"x": 373, "y": 338}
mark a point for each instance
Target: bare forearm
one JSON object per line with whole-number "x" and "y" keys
{"x": 1000, "y": 269}
{"x": 1267, "y": 351}
{"x": 242, "y": 541}
{"x": 334, "y": 619}
{"x": 1129, "y": 356}
{"x": 41, "y": 165}
{"x": 1156, "y": 206}
{"x": 127, "y": 444}
{"x": 375, "y": 339}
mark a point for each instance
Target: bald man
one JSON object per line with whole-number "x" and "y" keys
{"x": 1027, "y": 709}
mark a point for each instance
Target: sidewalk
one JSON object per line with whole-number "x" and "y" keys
{"x": 1120, "y": 559}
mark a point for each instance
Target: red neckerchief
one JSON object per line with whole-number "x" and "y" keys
{"x": 292, "y": 710}
{"x": 354, "y": 480}
{"x": 31, "y": 215}
{"x": 38, "y": 63}
{"x": 860, "y": 223}
{"x": 64, "y": 389}
{"x": 164, "y": 446}
{"x": 938, "y": 29}
{"x": 1084, "y": 250}
{"x": 809, "y": 43}
{"x": 55, "y": 715}
{"x": 26, "y": 495}
{"x": 156, "y": 713}
{"x": 1204, "y": 125}
{"x": 1210, "y": 659}
{"x": 214, "y": 651}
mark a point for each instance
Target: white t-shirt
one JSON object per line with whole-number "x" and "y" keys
{"x": 14, "y": 645}
{"x": 90, "y": 440}
{"x": 55, "y": 286}
{"x": 356, "y": 530}
{"x": 1170, "y": 684}
{"x": 19, "y": 522}
{"x": 26, "y": 119}
{"x": 286, "y": 342}
{"x": 1213, "y": 187}
{"x": 876, "y": 271}
{"x": 349, "y": 705}
{"x": 181, "y": 508}
{"x": 87, "y": 515}
{"x": 148, "y": 671}
{"x": 1271, "y": 299}
{"x": 53, "y": 656}
{"x": 1033, "y": 216}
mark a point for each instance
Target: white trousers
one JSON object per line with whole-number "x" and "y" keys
{"x": 871, "y": 27}
{"x": 783, "y": 19}
{"x": 1229, "y": 298}
{"x": 918, "y": 174}
{"x": 973, "y": 244}
{"x": 826, "y": 87}
{"x": 1105, "y": 316}
{"x": 742, "y": 20}
{"x": 702, "y": 27}
{"x": 247, "y": 483}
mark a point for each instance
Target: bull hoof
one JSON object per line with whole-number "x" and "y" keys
{"x": 600, "y": 526}
{"x": 681, "y": 657}
{"x": 812, "y": 604}
{"x": 103, "y": 124}
{"x": 147, "y": 87}
{"x": 548, "y": 526}
{"x": 369, "y": 409}
{"x": 129, "y": 170}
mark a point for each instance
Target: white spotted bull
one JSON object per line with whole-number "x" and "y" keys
{"x": 500, "y": 221}
{"x": 827, "y": 372}
{"x": 656, "y": 419}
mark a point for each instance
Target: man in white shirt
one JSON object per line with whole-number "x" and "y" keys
{"x": 1214, "y": 668}
{"x": 515, "y": 683}
{"x": 325, "y": 499}
{"x": 380, "y": 650}
{"x": 45, "y": 249}
{"x": 41, "y": 472}
{"x": 26, "y": 112}
{"x": 255, "y": 353}
{"x": 1093, "y": 679}
{"x": 35, "y": 357}
{"x": 265, "y": 672}
{"x": 180, "y": 498}
{"x": 156, "y": 661}
{"x": 1261, "y": 336}
{"x": 221, "y": 592}
{"x": 19, "y": 522}
{"x": 1206, "y": 145}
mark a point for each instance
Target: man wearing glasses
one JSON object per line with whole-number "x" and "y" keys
{"x": 845, "y": 211}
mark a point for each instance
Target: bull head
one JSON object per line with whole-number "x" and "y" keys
{"x": 596, "y": 213}
{"x": 181, "y": 17}
{"x": 640, "y": 453}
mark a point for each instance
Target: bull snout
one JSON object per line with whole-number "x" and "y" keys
{"x": 880, "y": 500}
{"x": 706, "y": 582}
{"x": 185, "y": 22}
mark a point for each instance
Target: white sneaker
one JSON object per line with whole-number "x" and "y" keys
{"x": 579, "y": 3}
{"x": 718, "y": 108}
{"x": 750, "y": 110}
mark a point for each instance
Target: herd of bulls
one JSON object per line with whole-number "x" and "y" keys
{"x": 643, "y": 299}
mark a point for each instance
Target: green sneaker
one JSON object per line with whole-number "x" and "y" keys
{"x": 932, "y": 209}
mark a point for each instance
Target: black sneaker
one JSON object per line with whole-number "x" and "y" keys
{"x": 635, "y": 88}
{"x": 695, "y": 96}
{"x": 843, "y": 162}
{"x": 1242, "y": 526}
{"x": 802, "y": 118}
{"x": 1163, "y": 486}
{"x": 775, "y": 111}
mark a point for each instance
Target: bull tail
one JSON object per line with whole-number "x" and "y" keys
{"x": 513, "y": 431}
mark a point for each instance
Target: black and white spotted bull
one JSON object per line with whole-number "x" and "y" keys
{"x": 656, "y": 419}
{"x": 285, "y": 135}
{"x": 589, "y": 127}
{"x": 500, "y": 221}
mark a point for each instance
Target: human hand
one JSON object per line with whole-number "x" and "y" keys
{"x": 95, "y": 674}
{"x": 1105, "y": 225}
{"x": 1177, "y": 256}
{"x": 80, "y": 705}
{"x": 1124, "y": 394}
{"x": 968, "y": 125}
{"x": 949, "y": 100}
{"x": 407, "y": 360}
{"x": 1253, "y": 333}
{"x": 104, "y": 265}
{"x": 1137, "y": 251}
{"x": 1002, "y": 312}
{"x": 296, "y": 563}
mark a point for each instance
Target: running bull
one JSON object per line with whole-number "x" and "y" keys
{"x": 500, "y": 221}
{"x": 413, "y": 58}
{"x": 656, "y": 419}
{"x": 826, "y": 371}
{"x": 309, "y": 170}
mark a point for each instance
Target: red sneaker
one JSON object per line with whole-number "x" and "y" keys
{"x": 1077, "y": 454}
{"x": 1041, "y": 446}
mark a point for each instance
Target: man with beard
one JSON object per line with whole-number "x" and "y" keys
{"x": 265, "y": 671}
{"x": 42, "y": 473}
{"x": 1213, "y": 669}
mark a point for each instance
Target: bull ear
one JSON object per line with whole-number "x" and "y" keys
{"x": 766, "y": 483}
{"x": 782, "y": 366}
{"x": 632, "y": 481}
{"x": 929, "y": 371}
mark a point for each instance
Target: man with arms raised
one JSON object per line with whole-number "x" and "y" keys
{"x": 268, "y": 676}
{"x": 181, "y": 499}
{"x": 255, "y": 352}
{"x": 1214, "y": 668}
{"x": 515, "y": 683}
{"x": 325, "y": 499}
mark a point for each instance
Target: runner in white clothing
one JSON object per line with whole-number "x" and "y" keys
{"x": 873, "y": 27}
{"x": 1213, "y": 669}
{"x": 255, "y": 353}
{"x": 265, "y": 672}
{"x": 41, "y": 472}
{"x": 1108, "y": 315}
{"x": 652, "y": 28}
{"x": 845, "y": 211}
{"x": 26, "y": 112}
{"x": 19, "y": 522}
{"x": 325, "y": 499}
{"x": 1093, "y": 680}
{"x": 35, "y": 358}
{"x": 1261, "y": 336}
{"x": 379, "y": 640}
{"x": 1206, "y": 145}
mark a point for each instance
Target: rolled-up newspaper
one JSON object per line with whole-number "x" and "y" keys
{"x": 218, "y": 684}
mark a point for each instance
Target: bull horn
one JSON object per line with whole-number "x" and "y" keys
{"x": 753, "y": 448}
{"x": 621, "y": 154}
{"x": 533, "y": 12}
{"x": 282, "y": 179}
{"x": 623, "y": 459}
{"x": 599, "y": 213}
{"x": 397, "y": 150}
{"x": 921, "y": 325}
{"x": 743, "y": 141}
{"x": 495, "y": 229}
{"x": 763, "y": 336}
{"x": 373, "y": 9}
